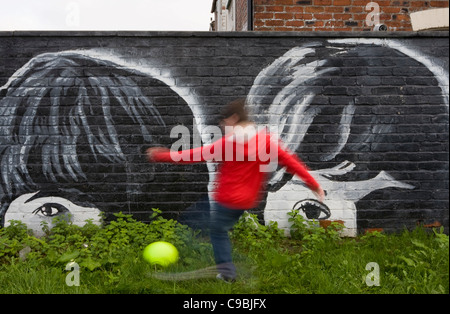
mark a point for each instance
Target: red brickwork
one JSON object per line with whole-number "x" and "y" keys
{"x": 335, "y": 15}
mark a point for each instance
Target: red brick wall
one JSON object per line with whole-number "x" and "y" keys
{"x": 335, "y": 15}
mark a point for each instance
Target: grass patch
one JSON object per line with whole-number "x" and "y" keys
{"x": 313, "y": 260}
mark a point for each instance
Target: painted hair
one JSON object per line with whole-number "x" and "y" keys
{"x": 333, "y": 101}
{"x": 73, "y": 122}
{"x": 373, "y": 104}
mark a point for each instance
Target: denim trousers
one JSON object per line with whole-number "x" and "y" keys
{"x": 222, "y": 219}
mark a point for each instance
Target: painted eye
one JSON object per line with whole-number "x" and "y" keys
{"x": 313, "y": 209}
{"x": 50, "y": 210}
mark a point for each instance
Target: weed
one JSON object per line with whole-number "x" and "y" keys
{"x": 251, "y": 233}
{"x": 312, "y": 260}
{"x": 310, "y": 232}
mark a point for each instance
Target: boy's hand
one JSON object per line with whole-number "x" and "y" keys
{"x": 320, "y": 194}
{"x": 151, "y": 152}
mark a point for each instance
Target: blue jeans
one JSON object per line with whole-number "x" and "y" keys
{"x": 222, "y": 219}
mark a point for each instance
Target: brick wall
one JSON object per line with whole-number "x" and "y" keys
{"x": 368, "y": 114}
{"x": 335, "y": 15}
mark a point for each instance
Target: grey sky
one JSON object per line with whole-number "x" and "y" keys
{"x": 170, "y": 15}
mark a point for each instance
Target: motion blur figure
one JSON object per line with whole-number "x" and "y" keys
{"x": 244, "y": 155}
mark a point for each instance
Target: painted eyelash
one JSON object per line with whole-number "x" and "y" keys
{"x": 46, "y": 209}
{"x": 313, "y": 208}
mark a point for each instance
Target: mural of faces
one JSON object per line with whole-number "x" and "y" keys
{"x": 74, "y": 126}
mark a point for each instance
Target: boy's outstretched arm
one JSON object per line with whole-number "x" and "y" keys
{"x": 295, "y": 166}
{"x": 213, "y": 151}
{"x": 158, "y": 154}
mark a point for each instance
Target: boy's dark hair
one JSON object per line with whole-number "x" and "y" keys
{"x": 236, "y": 107}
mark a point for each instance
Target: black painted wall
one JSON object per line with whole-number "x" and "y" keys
{"x": 367, "y": 112}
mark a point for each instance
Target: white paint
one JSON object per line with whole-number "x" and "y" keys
{"x": 341, "y": 196}
{"x": 344, "y": 131}
{"x": 430, "y": 19}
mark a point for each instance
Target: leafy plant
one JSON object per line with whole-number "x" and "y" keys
{"x": 417, "y": 265}
{"x": 310, "y": 232}
{"x": 91, "y": 246}
{"x": 313, "y": 260}
{"x": 250, "y": 232}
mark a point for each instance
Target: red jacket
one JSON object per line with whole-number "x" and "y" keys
{"x": 243, "y": 165}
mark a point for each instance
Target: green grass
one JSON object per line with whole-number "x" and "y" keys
{"x": 313, "y": 261}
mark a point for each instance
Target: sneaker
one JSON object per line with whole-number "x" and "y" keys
{"x": 225, "y": 278}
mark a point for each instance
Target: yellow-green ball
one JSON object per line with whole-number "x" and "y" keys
{"x": 161, "y": 253}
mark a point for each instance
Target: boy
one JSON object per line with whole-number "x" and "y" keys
{"x": 244, "y": 155}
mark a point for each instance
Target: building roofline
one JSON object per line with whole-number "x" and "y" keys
{"x": 233, "y": 34}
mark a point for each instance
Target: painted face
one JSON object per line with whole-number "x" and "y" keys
{"x": 34, "y": 211}
{"x": 352, "y": 134}
{"x": 77, "y": 143}
{"x": 341, "y": 197}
